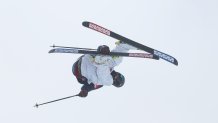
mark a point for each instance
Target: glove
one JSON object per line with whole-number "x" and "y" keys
{"x": 125, "y": 45}
{"x": 83, "y": 93}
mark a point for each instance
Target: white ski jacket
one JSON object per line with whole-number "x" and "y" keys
{"x": 97, "y": 69}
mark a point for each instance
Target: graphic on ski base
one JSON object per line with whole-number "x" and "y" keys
{"x": 112, "y": 34}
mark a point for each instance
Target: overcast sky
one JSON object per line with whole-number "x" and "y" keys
{"x": 154, "y": 92}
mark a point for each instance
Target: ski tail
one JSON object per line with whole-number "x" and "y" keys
{"x": 112, "y": 34}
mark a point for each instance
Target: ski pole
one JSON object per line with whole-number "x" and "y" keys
{"x": 72, "y": 47}
{"x": 37, "y": 105}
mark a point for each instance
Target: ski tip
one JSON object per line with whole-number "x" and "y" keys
{"x": 176, "y": 62}
{"x": 85, "y": 23}
{"x": 52, "y": 51}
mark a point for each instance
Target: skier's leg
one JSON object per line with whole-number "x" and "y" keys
{"x": 77, "y": 72}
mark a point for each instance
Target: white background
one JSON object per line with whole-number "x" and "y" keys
{"x": 155, "y": 91}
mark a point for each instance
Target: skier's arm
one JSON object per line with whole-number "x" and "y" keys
{"x": 110, "y": 61}
{"x": 123, "y": 47}
{"x": 120, "y": 47}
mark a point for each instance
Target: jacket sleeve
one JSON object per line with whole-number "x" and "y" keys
{"x": 120, "y": 47}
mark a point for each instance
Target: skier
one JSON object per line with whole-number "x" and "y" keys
{"x": 96, "y": 71}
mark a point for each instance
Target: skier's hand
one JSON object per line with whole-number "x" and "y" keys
{"x": 83, "y": 93}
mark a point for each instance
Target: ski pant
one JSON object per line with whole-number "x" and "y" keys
{"x": 77, "y": 71}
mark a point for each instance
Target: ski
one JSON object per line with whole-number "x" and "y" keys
{"x": 112, "y": 34}
{"x": 94, "y": 52}
{"x": 55, "y": 46}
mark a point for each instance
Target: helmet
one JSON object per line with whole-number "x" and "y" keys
{"x": 103, "y": 49}
{"x": 118, "y": 78}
